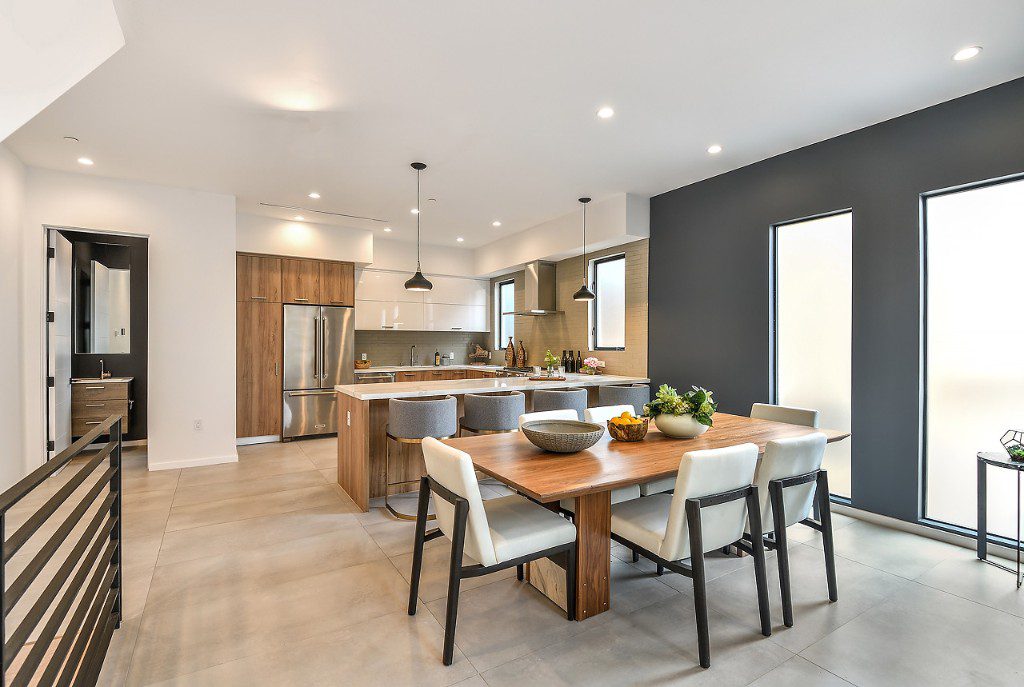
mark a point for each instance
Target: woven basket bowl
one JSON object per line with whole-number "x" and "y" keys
{"x": 563, "y": 436}
{"x": 629, "y": 432}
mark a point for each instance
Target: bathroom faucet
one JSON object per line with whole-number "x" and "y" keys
{"x": 412, "y": 356}
{"x": 103, "y": 373}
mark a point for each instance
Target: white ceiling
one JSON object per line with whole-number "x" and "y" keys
{"x": 269, "y": 100}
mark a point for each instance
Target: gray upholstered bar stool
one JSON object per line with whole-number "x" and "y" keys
{"x": 636, "y": 395}
{"x": 560, "y": 399}
{"x": 410, "y": 421}
{"x": 492, "y": 413}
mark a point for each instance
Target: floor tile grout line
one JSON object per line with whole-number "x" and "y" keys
{"x": 182, "y": 529}
{"x": 252, "y": 495}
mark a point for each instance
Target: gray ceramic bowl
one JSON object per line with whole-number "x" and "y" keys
{"x": 563, "y": 436}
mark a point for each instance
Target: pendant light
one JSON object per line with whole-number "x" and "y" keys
{"x": 418, "y": 282}
{"x": 584, "y": 294}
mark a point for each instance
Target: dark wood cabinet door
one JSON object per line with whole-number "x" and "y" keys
{"x": 258, "y": 369}
{"x": 337, "y": 283}
{"x": 257, "y": 278}
{"x": 300, "y": 281}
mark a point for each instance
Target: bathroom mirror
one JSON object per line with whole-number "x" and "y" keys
{"x": 102, "y": 298}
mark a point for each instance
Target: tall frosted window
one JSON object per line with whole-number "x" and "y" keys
{"x": 505, "y": 305}
{"x": 975, "y": 348}
{"x": 608, "y": 311}
{"x": 813, "y": 319}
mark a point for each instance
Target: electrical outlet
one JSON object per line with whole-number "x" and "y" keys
{"x": 362, "y": 356}
{"x": 197, "y": 425}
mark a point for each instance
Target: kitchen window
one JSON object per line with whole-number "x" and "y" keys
{"x": 608, "y": 309}
{"x": 504, "y": 306}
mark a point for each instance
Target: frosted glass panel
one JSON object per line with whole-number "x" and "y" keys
{"x": 609, "y": 308}
{"x": 975, "y": 363}
{"x": 814, "y": 301}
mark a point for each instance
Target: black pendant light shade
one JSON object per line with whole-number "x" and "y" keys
{"x": 584, "y": 294}
{"x": 418, "y": 282}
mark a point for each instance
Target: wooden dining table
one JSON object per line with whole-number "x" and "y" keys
{"x": 589, "y": 477}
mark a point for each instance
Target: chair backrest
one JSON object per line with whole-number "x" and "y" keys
{"x": 703, "y": 473}
{"x": 560, "y": 399}
{"x": 788, "y": 414}
{"x": 453, "y": 469}
{"x": 636, "y": 394}
{"x": 419, "y": 418}
{"x": 566, "y": 414}
{"x": 493, "y": 411}
{"x": 602, "y": 414}
{"x": 789, "y": 458}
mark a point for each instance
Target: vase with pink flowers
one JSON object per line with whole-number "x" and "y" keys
{"x": 592, "y": 366}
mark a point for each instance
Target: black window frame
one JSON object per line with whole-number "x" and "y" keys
{"x": 594, "y": 303}
{"x": 499, "y": 340}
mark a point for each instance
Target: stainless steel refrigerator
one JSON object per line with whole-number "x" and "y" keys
{"x": 318, "y": 345}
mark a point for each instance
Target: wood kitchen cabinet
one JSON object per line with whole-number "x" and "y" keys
{"x": 337, "y": 283}
{"x": 259, "y": 366}
{"x": 300, "y": 281}
{"x": 257, "y": 278}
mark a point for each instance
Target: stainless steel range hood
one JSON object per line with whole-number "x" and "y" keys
{"x": 539, "y": 290}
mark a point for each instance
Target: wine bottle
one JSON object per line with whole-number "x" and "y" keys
{"x": 565, "y": 361}
{"x": 437, "y": 358}
{"x": 579, "y": 362}
{"x": 570, "y": 363}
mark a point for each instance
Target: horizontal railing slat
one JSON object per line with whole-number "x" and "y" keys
{"x": 101, "y": 607}
{"x": 92, "y": 660}
{"x": 39, "y": 475}
{"x": 38, "y": 610}
{"x": 39, "y": 561}
{"x": 18, "y": 539}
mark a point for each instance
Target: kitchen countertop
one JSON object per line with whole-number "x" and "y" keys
{"x": 369, "y": 392}
{"x": 94, "y": 380}
{"x": 414, "y": 368}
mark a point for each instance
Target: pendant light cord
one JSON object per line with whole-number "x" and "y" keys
{"x": 584, "y": 244}
{"x": 418, "y": 212}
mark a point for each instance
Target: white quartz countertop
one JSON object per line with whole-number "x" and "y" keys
{"x": 414, "y": 368}
{"x": 370, "y": 392}
{"x": 108, "y": 380}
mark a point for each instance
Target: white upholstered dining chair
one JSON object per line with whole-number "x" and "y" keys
{"x": 791, "y": 415}
{"x": 600, "y": 416}
{"x": 714, "y": 502}
{"x": 498, "y": 533}
{"x": 563, "y": 414}
{"x": 603, "y": 414}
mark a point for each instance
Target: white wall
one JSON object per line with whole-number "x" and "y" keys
{"x": 191, "y": 305}
{"x": 303, "y": 239}
{"x": 12, "y": 197}
{"x": 620, "y": 219}
{"x": 389, "y": 254}
{"x": 46, "y": 48}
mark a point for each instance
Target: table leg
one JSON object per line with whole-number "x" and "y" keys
{"x": 982, "y": 511}
{"x": 593, "y": 518}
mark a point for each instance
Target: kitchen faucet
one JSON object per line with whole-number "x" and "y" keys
{"x": 412, "y": 356}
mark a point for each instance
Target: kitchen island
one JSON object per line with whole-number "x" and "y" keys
{"x": 363, "y": 416}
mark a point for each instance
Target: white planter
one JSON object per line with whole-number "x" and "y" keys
{"x": 679, "y": 426}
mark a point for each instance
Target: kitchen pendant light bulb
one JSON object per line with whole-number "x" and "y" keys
{"x": 418, "y": 282}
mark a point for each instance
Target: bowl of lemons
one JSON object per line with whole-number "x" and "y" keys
{"x": 626, "y": 427}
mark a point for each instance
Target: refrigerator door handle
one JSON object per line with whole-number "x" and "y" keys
{"x": 316, "y": 348}
{"x": 314, "y": 392}
{"x": 323, "y": 349}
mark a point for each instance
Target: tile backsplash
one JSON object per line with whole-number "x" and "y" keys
{"x": 392, "y": 347}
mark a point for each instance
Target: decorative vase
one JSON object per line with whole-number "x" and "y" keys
{"x": 679, "y": 426}
{"x": 521, "y": 355}
{"x": 510, "y": 354}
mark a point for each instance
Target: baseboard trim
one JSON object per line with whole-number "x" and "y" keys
{"x": 249, "y": 441}
{"x": 923, "y": 530}
{"x": 193, "y": 462}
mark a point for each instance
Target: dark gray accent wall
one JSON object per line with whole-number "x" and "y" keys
{"x": 709, "y": 269}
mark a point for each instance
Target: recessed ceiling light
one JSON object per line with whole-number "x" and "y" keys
{"x": 460, "y": 239}
{"x": 85, "y": 161}
{"x": 387, "y": 229}
{"x": 300, "y": 218}
{"x": 715, "y": 149}
{"x": 415, "y": 211}
{"x": 495, "y": 223}
{"x": 967, "y": 53}
{"x": 606, "y": 112}
{"x": 314, "y": 195}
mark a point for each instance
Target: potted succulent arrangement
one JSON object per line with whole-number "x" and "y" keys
{"x": 682, "y": 416}
{"x": 592, "y": 366}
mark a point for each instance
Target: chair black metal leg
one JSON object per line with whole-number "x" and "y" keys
{"x": 519, "y": 572}
{"x": 700, "y": 597}
{"x": 417, "y": 552}
{"x": 570, "y": 583}
{"x": 661, "y": 569}
{"x": 636, "y": 557}
{"x": 760, "y": 574}
{"x": 781, "y": 549}
{"x": 454, "y": 578}
{"x": 825, "y": 511}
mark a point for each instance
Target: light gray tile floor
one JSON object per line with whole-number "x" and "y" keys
{"x": 265, "y": 573}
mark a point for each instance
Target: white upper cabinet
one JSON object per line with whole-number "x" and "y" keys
{"x": 454, "y": 304}
{"x": 456, "y": 291}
